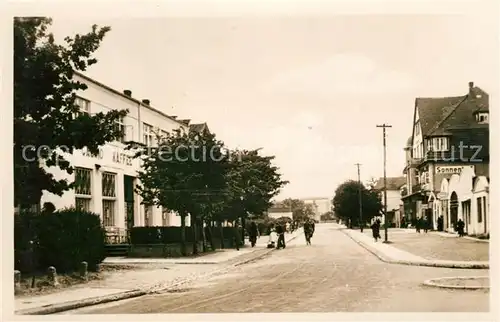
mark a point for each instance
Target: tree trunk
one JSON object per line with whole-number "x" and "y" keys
{"x": 221, "y": 233}
{"x": 194, "y": 227}
{"x": 210, "y": 238}
{"x": 183, "y": 235}
{"x": 243, "y": 229}
{"x": 204, "y": 236}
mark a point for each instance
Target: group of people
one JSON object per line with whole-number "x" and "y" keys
{"x": 277, "y": 233}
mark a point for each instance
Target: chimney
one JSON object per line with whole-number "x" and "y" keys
{"x": 146, "y": 101}
{"x": 471, "y": 89}
{"x": 127, "y": 92}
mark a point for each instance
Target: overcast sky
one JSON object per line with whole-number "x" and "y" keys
{"x": 308, "y": 89}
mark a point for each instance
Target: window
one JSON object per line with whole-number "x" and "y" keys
{"x": 148, "y": 215}
{"x": 120, "y": 126}
{"x": 108, "y": 212}
{"x": 83, "y": 188}
{"x": 109, "y": 184}
{"x": 417, "y": 128}
{"x": 147, "y": 134}
{"x": 479, "y": 209}
{"x": 440, "y": 144}
{"x": 485, "y": 208}
{"x": 164, "y": 216}
{"x": 430, "y": 145}
{"x": 482, "y": 117}
{"x": 108, "y": 198}
{"x": 83, "y": 104}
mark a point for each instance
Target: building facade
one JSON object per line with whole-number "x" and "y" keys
{"x": 105, "y": 183}
{"x": 450, "y": 135}
{"x": 394, "y": 202}
{"x": 320, "y": 206}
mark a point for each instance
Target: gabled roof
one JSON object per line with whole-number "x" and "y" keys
{"x": 393, "y": 183}
{"x": 199, "y": 127}
{"x": 440, "y": 115}
{"x": 432, "y": 110}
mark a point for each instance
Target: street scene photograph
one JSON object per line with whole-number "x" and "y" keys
{"x": 253, "y": 162}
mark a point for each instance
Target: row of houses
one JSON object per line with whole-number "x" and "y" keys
{"x": 447, "y": 164}
{"x": 105, "y": 183}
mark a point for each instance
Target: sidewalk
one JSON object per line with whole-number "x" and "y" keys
{"x": 154, "y": 275}
{"x": 408, "y": 249}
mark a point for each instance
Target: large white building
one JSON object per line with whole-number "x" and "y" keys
{"x": 106, "y": 183}
{"x": 320, "y": 206}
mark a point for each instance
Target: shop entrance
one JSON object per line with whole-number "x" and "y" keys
{"x": 453, "y": 209}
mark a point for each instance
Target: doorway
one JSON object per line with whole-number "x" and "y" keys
{"x": 128, "y": 183}
{"x": 453, "y": 210}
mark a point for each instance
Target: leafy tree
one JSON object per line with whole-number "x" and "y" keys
{"x": 46, "y": 117}
{"x": 252, "y": 182}
{"x": 300, "y": 210}
{"x": 329, "y": 215}
{"x": 346, "y": 203}
{"x": 185, "y": 173}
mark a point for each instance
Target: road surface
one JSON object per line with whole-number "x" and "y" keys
{"x": 333, "y": 275}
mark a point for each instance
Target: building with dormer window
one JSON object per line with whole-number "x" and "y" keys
{"x": 448, "y": 135}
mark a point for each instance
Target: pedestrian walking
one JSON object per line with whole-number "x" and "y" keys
{"x": 376, "y": 229}
{"x": 418, "y": 224}
{"x": 460, "y": 228}
{"x": 426, "y": 224}
{"x": 308, "y": 231}
{"x": 253, "y": 233}
{"x": 440, "y": 223}
{"x": 280, "y": 230}
{"x": 236, "y": 235}
{"x": 273, "y": 237}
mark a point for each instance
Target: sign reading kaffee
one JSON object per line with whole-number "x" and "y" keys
{"x": 452, "y": 169}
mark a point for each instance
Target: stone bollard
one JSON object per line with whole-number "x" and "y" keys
{"x": 52, "y": 275}
{"x": 84, "y": 270}
{"x": 17, "y": 280}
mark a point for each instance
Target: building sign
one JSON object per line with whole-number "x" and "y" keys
{"x": 122, "y": 158}
{"x": 442, "y": 195}
{"x": 86, "y": 153}
{"x": 451, "y": 169}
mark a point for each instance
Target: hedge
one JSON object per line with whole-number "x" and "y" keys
{"x": 62, "y": 239}
{"x": 172, "y": 235}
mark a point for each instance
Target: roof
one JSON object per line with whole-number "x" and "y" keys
{"x": 409, "y": 142}
{"x": 393, "y": 183}
{"x": 199, "y": 127}
{"x": 125, "y": 96}
{"x": 432, "y": 110}
{"x": 440, "y": 115}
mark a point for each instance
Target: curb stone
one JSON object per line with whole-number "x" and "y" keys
{"x": 433, "y": 282}
{"x": 428, "y": 263}
{"x": 155, "y": 289}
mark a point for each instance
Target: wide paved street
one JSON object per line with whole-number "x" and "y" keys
{"x": 333, "y": 275}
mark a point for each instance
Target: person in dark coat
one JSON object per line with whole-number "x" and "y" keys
{"x": 236, "y": 235}
{"x": 376, "y": 229}
{"x": 253, "y": 233}
{"x": 280, "y": 230}
{"x": 460, "y": 228}
{"x": 440, "y": 223}
{"x": 418, "y": 225}
{"x": 308, "y": 231}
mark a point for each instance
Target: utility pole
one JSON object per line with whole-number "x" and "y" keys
{"x": 361, "y": 223}
{"x": 384, "y": 126}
